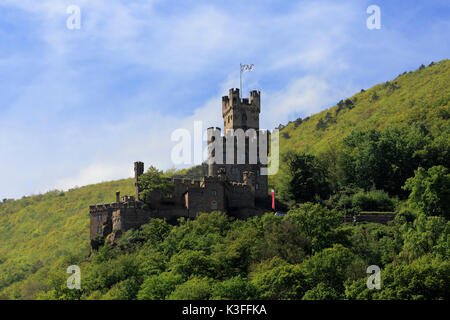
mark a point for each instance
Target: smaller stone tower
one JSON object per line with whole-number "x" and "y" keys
{"x": 138, "y": 171}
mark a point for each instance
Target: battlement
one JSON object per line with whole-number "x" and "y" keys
{"x": 185, "y": 181}
{"x": 255, "y": 95}
{"x": 125, "y": 202}
{"x": 233, "y": 99}
{"x": 241, "y": 113}
{"x": 105, "y": 207}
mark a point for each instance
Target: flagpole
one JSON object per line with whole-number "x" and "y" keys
{"x": 240, "y": 80}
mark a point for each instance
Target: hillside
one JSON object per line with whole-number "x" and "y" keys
{"x": 39, "y": 233}
{"x": 420, "y": 96}
{"x": 43, "y": 234}
{"x": 416, "y": 97}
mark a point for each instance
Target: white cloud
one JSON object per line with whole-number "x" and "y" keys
{"x": 94, "y": 173}
{"x": 301, "y": 98}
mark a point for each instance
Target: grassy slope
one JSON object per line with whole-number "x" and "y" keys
{"x": 423, "y": 96}
{"x": 45, "y": 233}
{"x": 41, "y": 232}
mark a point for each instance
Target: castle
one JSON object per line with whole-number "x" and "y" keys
{"x": 235, "y": 185}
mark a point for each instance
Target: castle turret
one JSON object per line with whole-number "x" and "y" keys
{"x": 215, "y": 140}
{"x": 138, "y": 171}
{"x": 241, "y": 113}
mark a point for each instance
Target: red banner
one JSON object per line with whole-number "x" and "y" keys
{"x": 273, "y": 199}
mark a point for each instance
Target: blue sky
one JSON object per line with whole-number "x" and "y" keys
{"x": 80, "y": 106}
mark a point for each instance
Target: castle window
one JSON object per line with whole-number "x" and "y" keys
{"x": 234, "y": 170}
{"x": 258, "y": 173}
{"x": 214, "y": 193}
{"x": 214, "y": 204}
{"x": 99, "y": 229}
{"x": 99, "y": 218}
{"x": 257, "y": 186}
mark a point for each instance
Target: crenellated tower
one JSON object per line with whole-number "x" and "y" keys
{"x": 241, "y": 113}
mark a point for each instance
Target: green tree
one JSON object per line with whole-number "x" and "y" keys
{"x": 305, "y": 178}
{"x": 373, "y": 200}
{"x": 235, "y": 288}
{"x": 155, "y": 231}
{"x": 316, "y": 222}
{"x": 158, "y": 287}
{"x": 237, "y": 252}
{"x": 193, "y": 289}
{"x": 424, "y": 278}
{"x": 124, "y": 290}
{"x": 192, "y": 262}
{"x": 332, "y": 267}
{"x": 375, "y": 243}
{"x": 427, "y": 235}
{"x": 283, "y": 239}
{"x": 322, "y": 292}
{"x": 279, "y": 281}
{"x": 382, "y": 160}
{"x": 152, "y": 181}
{"x": 430, "y": 191}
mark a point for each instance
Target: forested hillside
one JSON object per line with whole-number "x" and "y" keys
{"x": 42, "y": 233}
{"x": 415, "y": 97}
{"x": 385, "y": 149}
{"x": 403, "y": 122}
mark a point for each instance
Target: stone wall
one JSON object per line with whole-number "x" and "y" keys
{"x": 383, "y": 218}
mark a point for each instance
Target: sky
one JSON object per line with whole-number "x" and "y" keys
{"x": 80, "y": 105}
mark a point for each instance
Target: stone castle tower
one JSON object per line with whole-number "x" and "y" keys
{"x": 242, "y": 114}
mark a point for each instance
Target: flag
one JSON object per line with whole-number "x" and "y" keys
{"x": 246, "y": 67}
{"x": 273, "y": 199}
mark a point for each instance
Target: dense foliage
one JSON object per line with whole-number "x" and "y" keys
{"x": 308, "y": 254}
{"x": 417, "y": 99}
{"x": 154, "y": 181}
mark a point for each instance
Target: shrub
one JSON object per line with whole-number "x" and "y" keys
{"x": 375, "y": 200}
{"x": 193, "y": 289}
